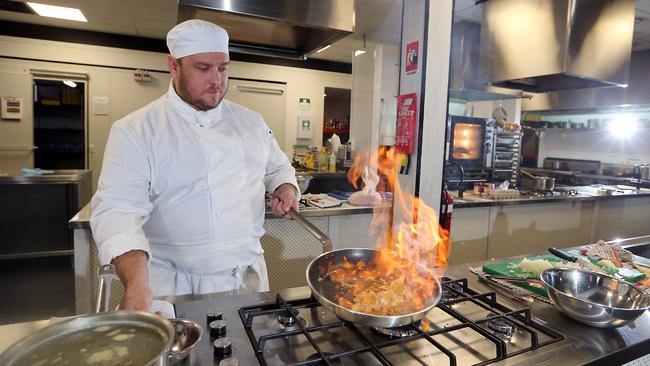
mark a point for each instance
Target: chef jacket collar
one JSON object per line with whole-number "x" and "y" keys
{"x": 191, "y": 115}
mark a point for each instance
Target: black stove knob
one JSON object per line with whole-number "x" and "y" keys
{"x": 217, "y": 328}
{"x": 214, "y": 315}
{"x": 230, "y": 361}
{"x": 222, "y": 346}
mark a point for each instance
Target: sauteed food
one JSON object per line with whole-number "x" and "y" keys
{"x": 382, "y": 287}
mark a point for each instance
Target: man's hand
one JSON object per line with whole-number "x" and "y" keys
{"x": 284, "y": 198}
{"x": 131, "y": 267}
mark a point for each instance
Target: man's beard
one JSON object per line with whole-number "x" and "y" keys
{"x": 186, "y": 95}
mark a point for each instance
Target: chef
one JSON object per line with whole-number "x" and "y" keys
{"x": 179, "y": 207}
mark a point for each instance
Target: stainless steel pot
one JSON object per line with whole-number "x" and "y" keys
{"x": 325, "y": 290}
{"x": 66, "y": 340}
{"x": 594, "y": 299}
{"x": 158, "y": 341}
{"x": 642, "y": 171}
{"x": 541, "y": 183}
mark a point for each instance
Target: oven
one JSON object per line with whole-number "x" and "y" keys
{"x": 470, "y": 142}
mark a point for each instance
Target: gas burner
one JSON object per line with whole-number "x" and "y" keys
{"x": 288, "y": 320}
{"x": 316, "y": 356}
{"x": 451, "y": 291}
{"x": 400, "y": 332}
{"x": 501, "y": 326}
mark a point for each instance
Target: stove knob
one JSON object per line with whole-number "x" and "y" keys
{"x": 214, "y": 315}
{"x": 217, "y": 328}
{"x": 229, "y": 362}
{"x": 222, "y": 347}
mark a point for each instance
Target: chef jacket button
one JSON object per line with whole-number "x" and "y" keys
{"x": 217, "y": 213}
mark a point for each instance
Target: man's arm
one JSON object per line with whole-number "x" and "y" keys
{"x": 131, "y": 267}
{"x": 280, "y": 180}
{"x": 119, "y": 208}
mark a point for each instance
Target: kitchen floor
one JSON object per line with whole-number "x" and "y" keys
{"x": 35, "y": 289}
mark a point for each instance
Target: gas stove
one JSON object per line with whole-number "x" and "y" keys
{"x": 466, "y": 328}
{"x": 549, "y": 194}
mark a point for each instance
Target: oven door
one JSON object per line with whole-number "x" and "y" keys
{"x": 467, "y": 142}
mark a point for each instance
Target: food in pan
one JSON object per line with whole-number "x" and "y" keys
{"x": 380, "y": 287}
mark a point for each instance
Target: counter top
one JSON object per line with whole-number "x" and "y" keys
{"x": 582, "y": 344}
{"x": 59, "y": 176}
{"x": 81, "y": 219}
{"x": 585, "y": 193}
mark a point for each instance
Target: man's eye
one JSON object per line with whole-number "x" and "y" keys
{"x": 223, "y": 68}
{"x": 203, "y": 68}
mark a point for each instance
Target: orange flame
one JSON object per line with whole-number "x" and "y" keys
{"x": 390, "y": 284}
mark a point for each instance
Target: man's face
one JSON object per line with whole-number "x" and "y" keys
{"x": 201, "y": 79}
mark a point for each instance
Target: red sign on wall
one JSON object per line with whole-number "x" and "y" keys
{"x": 412, "y": 56}
{"x": 406, "y": 113}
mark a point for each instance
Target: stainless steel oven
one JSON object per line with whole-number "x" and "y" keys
{"x": 470, "y": 142}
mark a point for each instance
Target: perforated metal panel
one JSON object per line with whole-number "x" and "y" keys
{"x": 354, "y": 231}
{"x": 288, "y": 249}
{"x": 643, "y": 361}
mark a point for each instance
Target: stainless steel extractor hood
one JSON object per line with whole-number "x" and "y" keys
{"x": 464, "y": 83}
{"x": 278, "y": 28}
{"x": 546, "y": 45}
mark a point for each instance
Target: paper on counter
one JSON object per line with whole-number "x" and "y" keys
{"x": 166, "y": 309}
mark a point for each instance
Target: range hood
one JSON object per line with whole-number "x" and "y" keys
{"x": 546, "y": 45}
{"x": 464, "y": 83}
{"x": 279, "y": 28}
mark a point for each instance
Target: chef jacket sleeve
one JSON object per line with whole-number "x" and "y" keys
{"x": 278, "y": 168}
{"x": 121, "y": 204}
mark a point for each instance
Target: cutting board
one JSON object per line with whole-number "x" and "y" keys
{"x": 504, "y": 269}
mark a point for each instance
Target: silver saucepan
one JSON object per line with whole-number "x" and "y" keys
{"x": 326, "y": 291}
{"x": 118, "y": 337}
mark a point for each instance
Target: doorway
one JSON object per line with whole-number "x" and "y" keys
{"x": 59, "y": 124}
{"x": 336, "y": 114}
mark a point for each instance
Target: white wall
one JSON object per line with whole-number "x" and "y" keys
{"x": 126, "y": 95}
{"x": 595, "y": 145}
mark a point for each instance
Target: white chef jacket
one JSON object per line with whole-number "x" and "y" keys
{"x": 187, "y": 187}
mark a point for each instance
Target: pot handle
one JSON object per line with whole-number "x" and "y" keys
{"x": 106, "y": 274}
{"x": 313, "y": 230}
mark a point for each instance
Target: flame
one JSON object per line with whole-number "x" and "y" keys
{"x": 394, "y": 281}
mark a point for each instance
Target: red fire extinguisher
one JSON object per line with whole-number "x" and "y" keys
{"x": 446, "y": 209}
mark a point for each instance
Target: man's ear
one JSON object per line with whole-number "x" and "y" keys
{"x": 173, "y": 65}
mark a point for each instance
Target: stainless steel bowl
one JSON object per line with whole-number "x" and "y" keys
{"x": 303, "y": 182}
{"x": 187, "y": 335}
{"x": 594, "y": 299}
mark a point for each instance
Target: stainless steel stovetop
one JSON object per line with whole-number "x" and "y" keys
{"x": 466, "y": 328}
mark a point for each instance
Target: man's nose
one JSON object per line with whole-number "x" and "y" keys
{"x": 216, "y": 77}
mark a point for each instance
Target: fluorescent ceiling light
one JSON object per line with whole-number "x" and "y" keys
{"x": 70, "y": 83}
{"x": 324, "y": 48}
{"x": 359, "y": 52}
{"x": 60, "y": 12}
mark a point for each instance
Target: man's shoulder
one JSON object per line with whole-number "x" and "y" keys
{"x": 143, "y": 115}
{"x": 243, "y": 111}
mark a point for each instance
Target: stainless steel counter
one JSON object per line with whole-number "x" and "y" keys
{"x": 59, "y": 176}
{"x": 81, "y": 219}
{"x": 582, "y": 344}
{"x": 585, "y": 193}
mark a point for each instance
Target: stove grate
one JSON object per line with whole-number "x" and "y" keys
{"x": 456, "y": 291}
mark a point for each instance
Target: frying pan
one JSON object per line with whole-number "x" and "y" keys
{"x": 325, "y": 290}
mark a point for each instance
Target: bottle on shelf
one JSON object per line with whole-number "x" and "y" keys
{"x": 323, "y": 160}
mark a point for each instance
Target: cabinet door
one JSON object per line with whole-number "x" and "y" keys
{"x": 267, "y": 99}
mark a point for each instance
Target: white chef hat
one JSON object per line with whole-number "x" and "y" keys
{"x": 196, "y": 36}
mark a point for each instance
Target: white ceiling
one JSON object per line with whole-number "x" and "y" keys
{"x": 378, "y": 19}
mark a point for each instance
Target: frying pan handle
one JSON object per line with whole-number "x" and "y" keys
{"x": 562, "y": 255}
{"x": 313, "y": 230}
{"x": 106, "y": 274}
